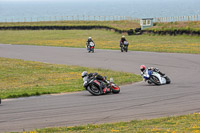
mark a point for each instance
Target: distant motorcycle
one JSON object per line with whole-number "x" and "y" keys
{"x": 124, "y": 46}
{"x": 98, "y": 87}
{"x": 90, "y": 47}
{"x": 153, "y": 77}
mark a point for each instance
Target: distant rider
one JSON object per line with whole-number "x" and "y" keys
{"x": 145, "y": 70}
{"x": 123, "y": 39}
{"x": 88, "y": 42}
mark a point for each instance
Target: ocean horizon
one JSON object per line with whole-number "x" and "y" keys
{"x": 13, "y": 10}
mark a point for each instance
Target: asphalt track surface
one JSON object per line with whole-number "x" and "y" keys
{"x": 135, "y": 101}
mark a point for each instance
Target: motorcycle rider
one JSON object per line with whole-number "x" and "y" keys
{"x": 122, "y": 41}
{"x": 88, "y": 42}
{"x": 86, "y": 77}
{"x": 144, "y": 70}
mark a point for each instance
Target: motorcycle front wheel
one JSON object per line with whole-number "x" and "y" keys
{"x": 115, "y": 89}
{"x": 168, "y": 81}
{"x": 122, "y": 49}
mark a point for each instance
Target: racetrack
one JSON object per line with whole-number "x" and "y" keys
{"x": 135, "y": 101}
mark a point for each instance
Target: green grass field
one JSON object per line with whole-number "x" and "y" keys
{"x": 177, "y": 124}
{"x": 103, "y": 39}
{"x": 19, "y": 78}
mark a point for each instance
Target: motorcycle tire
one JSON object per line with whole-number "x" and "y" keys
{"x": 122, "y": 49}
{"x": 92, "y": 50}
{"x": 115, "y": 89}
{"x": 94, "y": 90}
{"x": 126, "y": 50}
{"x": 155, "y": 80}
{"x": 168, "y": 81}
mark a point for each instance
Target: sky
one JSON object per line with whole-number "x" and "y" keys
{"x": 56, "y": 0}
{"x": 89, "y": 0}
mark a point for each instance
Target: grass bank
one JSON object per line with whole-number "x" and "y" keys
{"x": 19, "y": 78}
{"x": 120, "y": 25}
{"x": 103, "y": 39}
{"x": 177, "y": 124}
{"x": 181, "y": 26}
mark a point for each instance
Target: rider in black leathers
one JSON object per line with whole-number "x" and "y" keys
{"x": 122, "y": 41}
{"x": 88, "y": 42}
{"x": 86, "y": 78}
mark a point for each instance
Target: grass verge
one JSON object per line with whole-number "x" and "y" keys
{"x": 103, "y": 39}
{"x": 19, "y": 78}
{"x": 176, "y": 124}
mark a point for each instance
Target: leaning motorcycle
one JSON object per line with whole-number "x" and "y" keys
{"x": 153, "y": 77}
{"x": 124, "y": 46}
{"x": 90, "y": 47}
{"x": 98, "y": 87}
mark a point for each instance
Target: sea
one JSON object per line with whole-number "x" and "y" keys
{"x": 31, "y": 10}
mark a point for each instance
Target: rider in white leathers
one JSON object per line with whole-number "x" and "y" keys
{"x": 146, "y": 71}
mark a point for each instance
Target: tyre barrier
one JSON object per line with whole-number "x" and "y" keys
{"x": 129, "y": 32}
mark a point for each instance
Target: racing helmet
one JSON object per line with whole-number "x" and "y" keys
{"x": 89, "y": 38}
{"x": 142, "y": 68}
{"x": 84, "y": 74}
{"x": 123, "y": 36}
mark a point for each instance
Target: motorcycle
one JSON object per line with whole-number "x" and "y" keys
{"x": 98, "y": 87}
{"x": 124, "y": 47}
{"x": 153, "y": 77}
{"x": 90, "y": 47}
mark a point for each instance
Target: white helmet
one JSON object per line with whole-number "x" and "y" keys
{"x": 123, "y": 36}
{"x": 89, "y": 37}
{"x": 84, "y": 73}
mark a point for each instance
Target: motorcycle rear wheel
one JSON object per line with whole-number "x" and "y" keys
{"x": 155, "y": 80}
{"x": 94, "y": 90}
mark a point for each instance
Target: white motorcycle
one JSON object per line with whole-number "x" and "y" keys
{"x": 153, "y": 77}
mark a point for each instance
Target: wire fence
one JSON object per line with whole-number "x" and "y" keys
{"x": 100, "y": 18}
{"x": 178, "y": 19}
{"x": 70, "y": 18}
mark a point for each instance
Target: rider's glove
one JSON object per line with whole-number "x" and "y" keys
{"x": 156, "y": 69}
{"x": 94, "y": 74}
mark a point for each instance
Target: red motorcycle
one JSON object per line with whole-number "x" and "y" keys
{"x": 98, "y": 87}
{"x": 91, "y": 47}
